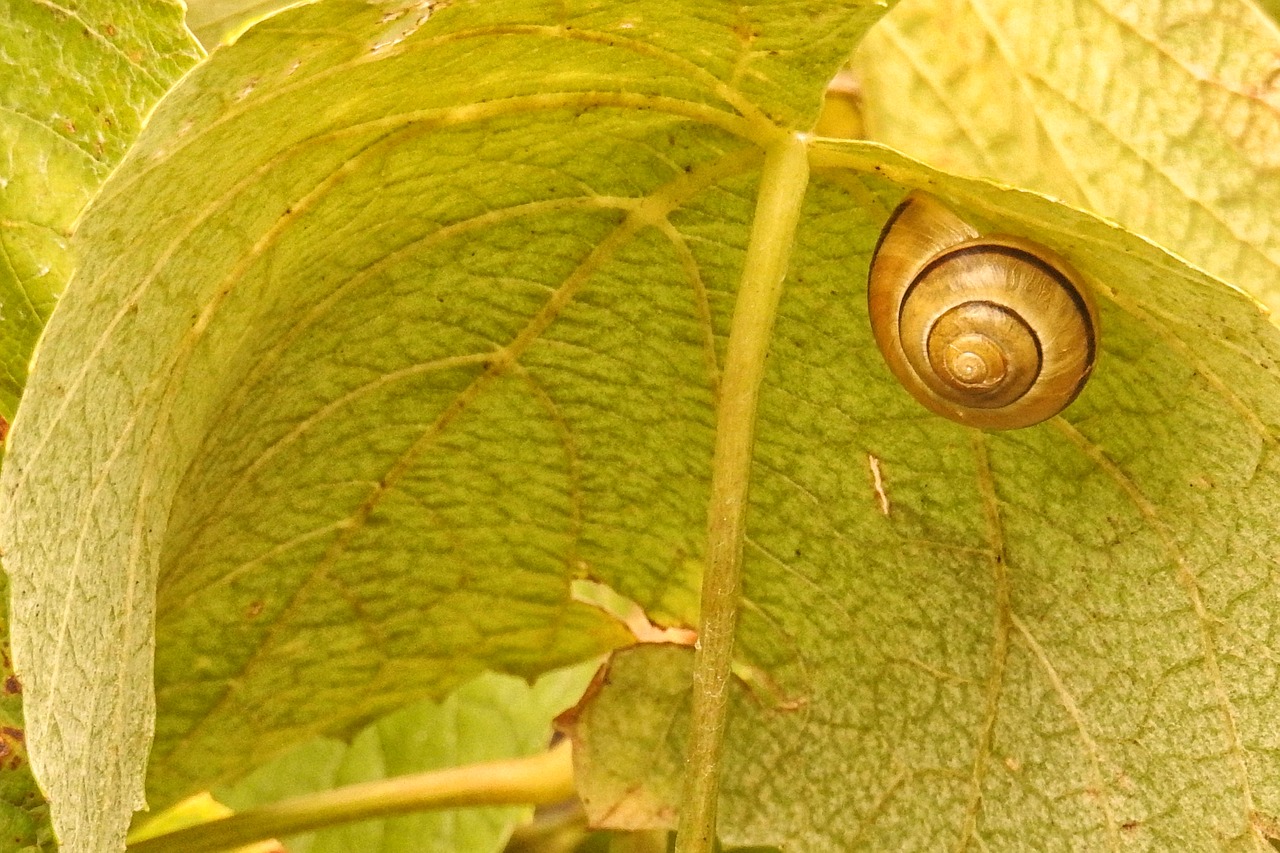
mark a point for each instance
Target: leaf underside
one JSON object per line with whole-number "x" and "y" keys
{"x": 396, "y": 321}
{"x": 1063, "y": 634}
{"x": 371, "y": 353}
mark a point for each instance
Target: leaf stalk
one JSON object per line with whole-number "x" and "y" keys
{"x": 540, "y": 779}
{"x": 783, "y": 180}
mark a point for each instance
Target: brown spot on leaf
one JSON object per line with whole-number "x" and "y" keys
{"x": 12, "y": 754}
{"x": 4, "y": 428}
{"x": 254, "y": 609}
{"x": 12, "y": 685}
{"x": 110, "y": 30}
{"x": 1268, "y": 825}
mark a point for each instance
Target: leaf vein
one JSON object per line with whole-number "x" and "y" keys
{"x": 648, "y": 214}
{"x": 1190, "y": 585}
{"x": 102, "y": 39}
{"x": 1096, "y": 756}
{"x": 1003, "y": 606}
{"x": 756, "y": 124}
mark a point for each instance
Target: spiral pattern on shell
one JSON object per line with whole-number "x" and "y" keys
{"x": 991, "y": 331}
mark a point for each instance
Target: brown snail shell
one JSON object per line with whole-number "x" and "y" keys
{"x": 992, "y": 331}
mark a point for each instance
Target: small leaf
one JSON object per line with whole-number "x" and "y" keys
{"x": 1161, "y": 117}
{"x": 193, "y": 811}
{"x": 490, "y": 717}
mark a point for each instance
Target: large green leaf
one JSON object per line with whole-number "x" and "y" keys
{"x": 77, "y": 81}
{"x": 1062, "y": 637}
{"x": 491, "y": 717}
{"x": 387, "y": 330}
{"x": 1162, "y": 117}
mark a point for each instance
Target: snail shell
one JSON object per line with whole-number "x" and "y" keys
{"x": 994, "y": 332}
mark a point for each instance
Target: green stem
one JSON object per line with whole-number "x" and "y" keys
{"x": 782, "y": 186}
{"x": 536, "y": 780}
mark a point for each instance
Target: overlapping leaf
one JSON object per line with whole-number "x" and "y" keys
{"x": 76, "y": 82}
{"x": 218, "y": 21}
{"x": 1161, "y": 116}
{"x": 395, "y": 321}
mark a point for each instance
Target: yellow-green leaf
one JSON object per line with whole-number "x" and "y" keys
{"x": 489, "y": 718}
{"x": 77, "y": 81}
{"x": 391, "y": 326}
{"x": 217, "y": 21}
{"x": 76, "y": 84}
{"x": 1162, "y": 117}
